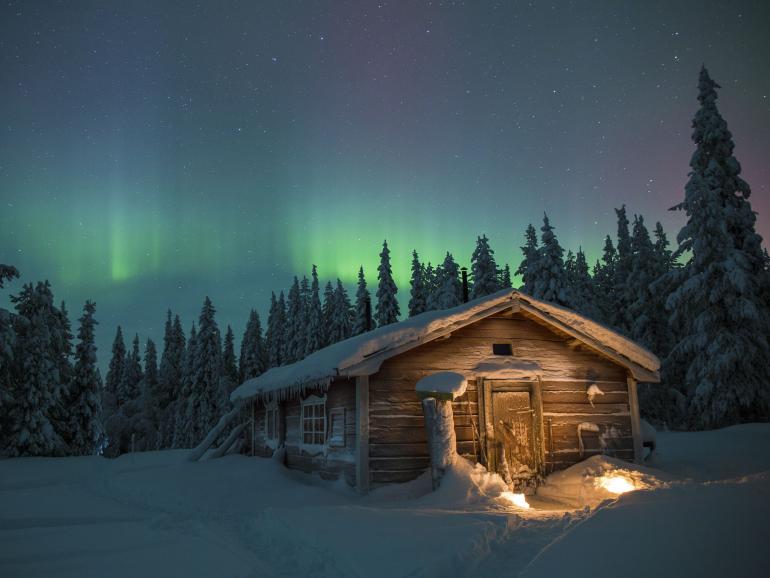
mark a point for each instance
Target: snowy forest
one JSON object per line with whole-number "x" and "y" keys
{"x": 703, "y": 308}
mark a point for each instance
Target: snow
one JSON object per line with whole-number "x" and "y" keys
{"x": 702, "y": 510}
{"x": 444, "y": 383}
{"x": 339, "y": 359}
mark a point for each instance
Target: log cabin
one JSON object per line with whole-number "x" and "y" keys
{"x": 546, "y": 388}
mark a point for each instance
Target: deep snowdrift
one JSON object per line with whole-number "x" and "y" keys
{"x": 704, "y": 510}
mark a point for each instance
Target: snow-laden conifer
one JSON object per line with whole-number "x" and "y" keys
{"x": 387, "y": 310}
{"x": 417, "y": 293}
{"x": 551, "y": 282}
{"x": 315, "y": 328}
{"x": 529, "y": 264}
{"x": 483, "y": 269}
{"x": 86, "y": 390}
{"x": 252, "y": 358}
{"x": 363, "y": 321}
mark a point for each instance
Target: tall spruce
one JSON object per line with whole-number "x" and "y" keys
{"x": 417, "y": 299}
{"x": 170, "y": 375}
{"x": 252, "y": 359}
{"x": 275, "y": 336}
{"x": 529, "y": 264}
{"x": 7, "y": 361}
{"x": 37, "y": 390}
{"x": 184, "y": 433}
{"x": 483, "y": 269}
{"x": 431, "y": 279}
{"x": 294, "y": 341}
{"x": 505, "y": 277}
{"x": 315, "y": 327}
{"x": 551, "y": 282}
{"x": 86, "y": 389}
{"x": 387, "y": 310}
{"x": 341, "y": 323}
{"x": 717, "y": 305}
{"x": 129, "y": 386}
{"x": 205, "y": 399}
{"x": 327, "y": 312}
{"x": 117, "y": 364}
{"x": 623, "y": 264}
{"x": 582, "y": 288}
{"x": 449, "y": 289}
{"x": 229, "y": 363}
{"x": 604, "y": 282}
{"x": 363, "y": 321}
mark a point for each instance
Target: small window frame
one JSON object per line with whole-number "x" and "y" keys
{"x": 312, "y": 413}
{"x": 502, "y": 349}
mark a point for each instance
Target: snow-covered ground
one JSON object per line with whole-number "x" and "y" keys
{"x": 705, "y": 512}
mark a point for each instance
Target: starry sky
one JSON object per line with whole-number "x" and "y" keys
{"x": 152, "y": 153}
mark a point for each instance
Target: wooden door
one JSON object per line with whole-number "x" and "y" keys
{"x": 513, "y": 420}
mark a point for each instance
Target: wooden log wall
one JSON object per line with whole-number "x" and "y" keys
{"x": 332, "y": 462}
{"x": 397, "y": 445}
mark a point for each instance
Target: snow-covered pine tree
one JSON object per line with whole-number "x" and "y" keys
{"x": 569, "y": 267}
{"x": 86, "y": 390}
{"x": 170, "y": 378}
{"x": 717, "y": 305}
{"x": 450, "y": 292}
{"x": 315, "y": 328}
{"x": 387, "y": 310}
{"x": 417, "y": 300}
{"x": 146, "y": 421}
{"x": 505, "y": 277}
{"x": 252, "y": 358}
{"x": 623, "y": 264}
{"x": 483, "y": 269}
{"x": 327, "y": 312}
{"x": 116, "y": 367}
{"x": 128, "y": 388}
{"x": 294, "y": 340}
{"x": 551, "y": 283}
{"x": 7, "y": 346}
{"x": 604, "y": 283}
{"x": 276, "y": 331}
{"x": 342, "y": 320}
{"x": 431, "y": 279}
{"x": 229, "y": 363}
{"x": 363, "y": 321}
{"x": 183, "y": 427}
{"x": 37, "y": 387}
{"x": 205, "y": 406}
{"x": 646, "y": 327}
{"x": 528, "y": 268}
{"x": 582, "y": 288}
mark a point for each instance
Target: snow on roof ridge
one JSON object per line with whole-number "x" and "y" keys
{"x": 319, "y": 368}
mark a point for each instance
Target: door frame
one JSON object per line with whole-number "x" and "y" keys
{"x": 486, "y": 388}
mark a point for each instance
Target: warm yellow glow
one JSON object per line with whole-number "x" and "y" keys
{"x": 516, "y": 499}
{"x": 616, "y": 483}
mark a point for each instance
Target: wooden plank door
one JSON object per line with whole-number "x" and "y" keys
{"x": 513, "y": 420}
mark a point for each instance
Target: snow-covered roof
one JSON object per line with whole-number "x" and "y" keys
{"x": 363, "y": 354}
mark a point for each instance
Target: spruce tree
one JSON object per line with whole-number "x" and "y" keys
{"x": 294, "y": 341}
{"x": 229, "y": 362}
{"x": 483, "y": 269}
{"x": 363, "y": 321}
{"x": 129, "y": 386}
{"x": 37, "y": 389}
{"x": 604, "y": 283}
{"x": 315, "y": 327}
{"x": 582, "y": 288}
{"x": 387, "y": 310}
{"x": 717, "y": 305}
{"x": 505, "y": 278}
{"x": 170, "y": 378}
{"x": 431, "y": 281}
{"x": 7, "y": 361}
{"x": 450, "y": 291}
{"x": 646, "y": 326}
{"x": 276, "y": 331}
{"x": 528, "y": 268}
{"x": 86, "y": 390}
{"x": 417, "y": 300}
{"x": 623, "y": 264}
{"x": 342, "y": 320}
{"x": 184, "y": 427}
{"x": 205, "y": 399}
{"x": 252, "y": 358}
{"x": 551, "y": 282}
{"x": 327, "y": 312}
{"x": 117, "y": 366}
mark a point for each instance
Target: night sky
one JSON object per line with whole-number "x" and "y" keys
{"x": 153, "y": 152}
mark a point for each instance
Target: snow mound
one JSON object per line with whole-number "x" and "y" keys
{"x": 592, "y": 481}
{"x": 447, "y": 384}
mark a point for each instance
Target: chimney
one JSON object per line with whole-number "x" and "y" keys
{"x": 368, "y": 313}
{"x": 465, "y": 283}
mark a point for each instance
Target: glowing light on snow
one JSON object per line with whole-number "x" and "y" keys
{"x": 616, "y": 484}
{"x": 518, "y": 500}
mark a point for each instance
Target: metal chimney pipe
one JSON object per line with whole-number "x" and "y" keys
{"x": 464, "y": 271}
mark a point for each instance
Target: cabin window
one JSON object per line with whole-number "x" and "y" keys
{"x": 502, "y": 349}
{"x": 314, "y": 421}
{"x": 271, "y": 424}
{"x": 337, "y": 427}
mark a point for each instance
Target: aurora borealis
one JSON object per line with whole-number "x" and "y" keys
{"x": 153, "y": 153}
